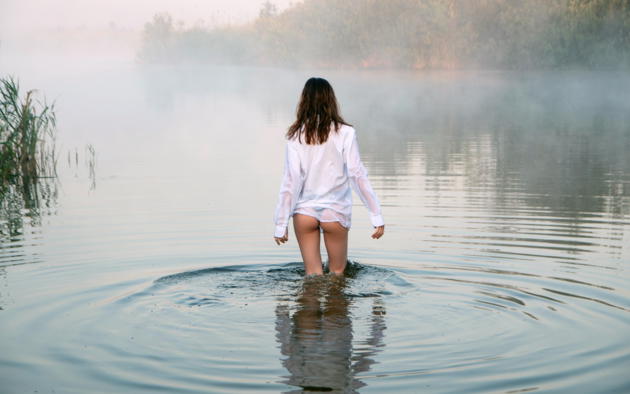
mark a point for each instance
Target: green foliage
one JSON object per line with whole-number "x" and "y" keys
{"x": 410, "y": 34}
{"x": 268, "y": 9}
{"x": 26, "y": 134}
{"x": 27, "y": 158}
{"x": 158, "y": 39}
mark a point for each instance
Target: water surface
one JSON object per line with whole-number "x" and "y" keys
{"x": 504, "y": 267}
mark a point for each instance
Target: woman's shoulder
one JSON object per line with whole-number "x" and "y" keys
{"x": 293, "y": 141}
{"x": 346, "y": 132}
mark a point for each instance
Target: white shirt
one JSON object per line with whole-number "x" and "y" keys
{"x": 318, "y": 178}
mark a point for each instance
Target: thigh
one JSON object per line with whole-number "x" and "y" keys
{"x": 307, "y": 234}
{"x": 336, "y": 241}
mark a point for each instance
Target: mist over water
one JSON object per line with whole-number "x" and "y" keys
{"x": 504, "y": 266}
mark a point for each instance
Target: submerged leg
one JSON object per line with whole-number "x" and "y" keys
{"x": 336, "y": 241}
{"x": 307, "y": 234}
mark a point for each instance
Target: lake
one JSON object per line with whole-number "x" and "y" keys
{"x": 149, "y": 266}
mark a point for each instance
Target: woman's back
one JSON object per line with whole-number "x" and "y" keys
{"x": 322, "y": 163}
{"x": 319, "y": 177}
{"x": 324, "y": 170}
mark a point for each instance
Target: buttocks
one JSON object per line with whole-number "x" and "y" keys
{"x": 319, "y": 179}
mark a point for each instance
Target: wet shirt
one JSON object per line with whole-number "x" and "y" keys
{"x": 318, "y": 181}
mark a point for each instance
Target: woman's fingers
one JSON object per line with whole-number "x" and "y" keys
{"x": 281, "y": 240}
{"x": 380, "y": 230}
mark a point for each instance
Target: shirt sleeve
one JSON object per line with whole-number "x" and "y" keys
{"x": 290, "y": 189}
{"x": 359, "y": 180}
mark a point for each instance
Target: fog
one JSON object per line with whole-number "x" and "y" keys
{"x": 110, "y": 29}
{"x": 496, "y": 141}
{"x": 405, "y": 34}
{"x": 87, "y": 60}
{"x": 20, "y": 16}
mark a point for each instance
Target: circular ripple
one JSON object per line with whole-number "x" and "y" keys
{"x": 264, "y": 328}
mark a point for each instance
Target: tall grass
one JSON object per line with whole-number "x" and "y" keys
{"x": 28, "y": 160}
{"x": 27, "y": 135}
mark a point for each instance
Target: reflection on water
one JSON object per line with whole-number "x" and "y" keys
{"x": 504, "y": 268}
{"x": 27, "y": 201}
{"x": 23, "y": 205}
{"x": 316, "y": 340}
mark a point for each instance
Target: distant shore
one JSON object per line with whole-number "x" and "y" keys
{"x": 407, "y": 34}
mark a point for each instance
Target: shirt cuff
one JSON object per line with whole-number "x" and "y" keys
{"x": 377, "y": 220}
{"x": 280, "y": 230}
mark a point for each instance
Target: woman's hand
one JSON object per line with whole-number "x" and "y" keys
{"x": 282, "y": 240}
{"x": 380, "y": 230}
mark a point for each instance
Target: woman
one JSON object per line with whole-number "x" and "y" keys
{"x": 322, "y": 161}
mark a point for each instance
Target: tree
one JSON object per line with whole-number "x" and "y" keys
{"x": 268, "y": 10}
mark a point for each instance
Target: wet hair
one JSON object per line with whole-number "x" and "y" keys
{"x": 317, "y": 111}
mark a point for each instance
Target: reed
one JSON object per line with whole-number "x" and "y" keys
{"x": 27, "y": 136}
{"x": 28, "y": 160}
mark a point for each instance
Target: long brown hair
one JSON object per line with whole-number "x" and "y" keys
{"x": 316, "y": 112}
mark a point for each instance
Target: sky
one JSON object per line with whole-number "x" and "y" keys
{"x": 19, "y": 16}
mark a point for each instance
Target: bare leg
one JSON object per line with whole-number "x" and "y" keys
{"x": 307, "y": 234}
{"x": 336, "y": 241}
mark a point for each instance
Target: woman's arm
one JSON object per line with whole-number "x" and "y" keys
{"x": 359, "y": 180}
{"x": 290, "y": 189}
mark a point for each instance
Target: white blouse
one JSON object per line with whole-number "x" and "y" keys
{"x": 317, "y": 180}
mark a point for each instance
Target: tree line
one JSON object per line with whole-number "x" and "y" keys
{"x": 408, "y": 34}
